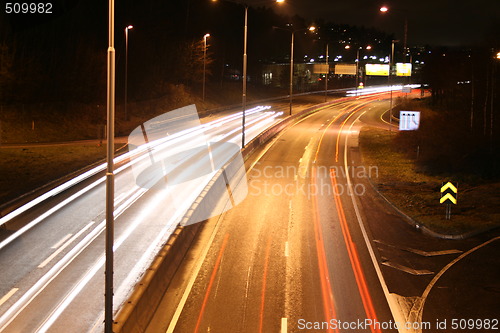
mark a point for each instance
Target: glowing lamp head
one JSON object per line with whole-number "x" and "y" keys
{"x": 384, "y": 9}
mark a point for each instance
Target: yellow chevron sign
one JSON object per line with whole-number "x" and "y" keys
{"x": 449, "y": 185}
{"x": 448, "y": 196}
{"x": 448, "y": 193}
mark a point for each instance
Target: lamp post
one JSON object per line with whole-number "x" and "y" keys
{"x": 204, "y": 62}
{"x": 327, "y": 73}
{"x": 390, "y": 82}
{"x": 108, "y": 287}
{"x": 244, "y": 93}
{"x": 384, "y": 10}
{"x": 368, "y": 47}
{"x": 293, "y": 31}
{"x": 126, "y": 69}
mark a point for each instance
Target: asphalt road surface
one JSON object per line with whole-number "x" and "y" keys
{"x": 314, "y": 248}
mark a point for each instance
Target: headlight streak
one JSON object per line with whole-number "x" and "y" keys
{"x": 368, "y": 91}
{"x": 144, "y": 258}
{"x": 135, "y": 194}
{"x": 55, "y": 270}
{"x": 130, "y": 155}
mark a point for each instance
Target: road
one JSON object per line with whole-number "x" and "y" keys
{"x": 314, "y": 248}
{"x": 52, "y": 250}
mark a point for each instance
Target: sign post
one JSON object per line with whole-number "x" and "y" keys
{"x": 448, "y": 197}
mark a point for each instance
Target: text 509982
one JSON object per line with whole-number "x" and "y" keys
{"x": 28, "y": 8}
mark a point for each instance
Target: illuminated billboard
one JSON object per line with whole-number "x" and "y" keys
{"x": 377, "y": 69}
{"x": 403, "y": 69}
{"x": 348, "y": 69}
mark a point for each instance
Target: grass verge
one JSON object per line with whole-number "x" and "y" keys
{"x": 417, "y": 194}
{"x": 25, "y": 169}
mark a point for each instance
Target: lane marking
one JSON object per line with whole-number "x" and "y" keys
{"x": 287, "y": 249}
{"x": 56, "y": 245}
{"x": 60, "y": 249}
{"x": 405, "y": 269}
{"x": 284, "y": 325}
{"x": 264, "y": 283}
{"x": 211, "y": 282}
{"x": 418, "y": 251}
{"x": 6, "y": 297}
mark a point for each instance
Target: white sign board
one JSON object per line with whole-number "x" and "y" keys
{"x": 409, "y": 120}
{"x": 406, "y": 89}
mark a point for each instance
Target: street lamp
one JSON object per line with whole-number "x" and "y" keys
{"x": 110, "y": 180}
{"x": 244, "y": 93}
{"x": 368, "y": 47}
{"x": 204, "y": 62}
{"x": 384, "y": 10}
{"x": 293, "y": 31}
{"x": 126, "y": 68}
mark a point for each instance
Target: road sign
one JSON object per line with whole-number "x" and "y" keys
{"x": 409, "y": 120}
{"x": 406, "y": 89}
{"x": 448, "y": 194}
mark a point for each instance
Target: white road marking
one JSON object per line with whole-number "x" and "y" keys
{"x": 56, "y": 245}
{"x": 8, "y": 295}
{"x": 395, "y": 308}
{"x": 284, "y": 325}
{"x": 60, "y": 249}
{"x": 287, "y": 249}
{"x": 405, "y": 269}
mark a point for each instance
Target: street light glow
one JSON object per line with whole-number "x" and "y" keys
{"x": 129, "y": 27}
{"x": 384, "y": 9}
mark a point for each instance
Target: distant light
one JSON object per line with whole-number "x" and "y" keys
{"x": 129, "y": 27}
{"x": 206, "y": 36}
{"x": 280, "y": 1}
{"x": 368, "y": 47}
{"x": 384, "y": 9}
{"x": 498, "y": 55}
{"x": 347, "y": 47}
{"x": 312, "y": 28}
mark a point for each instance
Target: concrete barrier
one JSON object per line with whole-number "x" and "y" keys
{"x": 136, "y": 313}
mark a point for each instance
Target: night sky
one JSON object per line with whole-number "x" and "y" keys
{"x": 434, "y": 22}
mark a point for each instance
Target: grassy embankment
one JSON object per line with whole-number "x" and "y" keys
{"x": 27, "y": 168}
{"x": 413, "y": 166}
